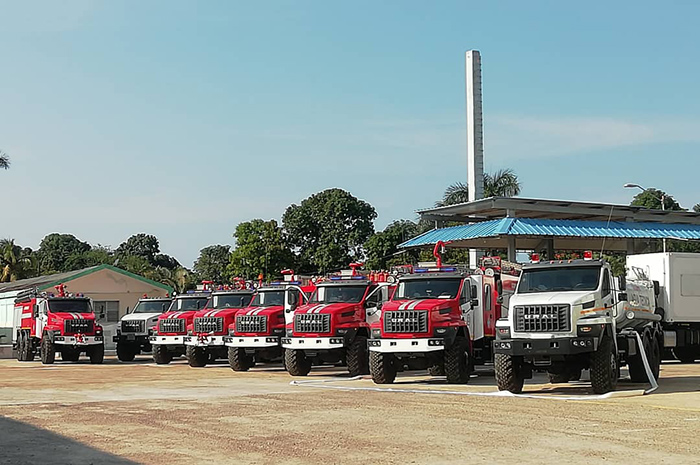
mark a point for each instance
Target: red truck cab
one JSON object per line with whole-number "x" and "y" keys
{"x": 168, "y": 338}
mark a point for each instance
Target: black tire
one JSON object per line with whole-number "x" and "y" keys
{"x": 437, "y": 370}
{"x": 458, "y": 361}
{"x": 655, "y": 355}
{"x": 357, "y": 357}
{"x": 70, "y": 354}
{"x": 509, "y": 375}
{"x": 382, "y": 367}
{"x": 125, "y": 352}
{"x": 686, "y": 354}
{"x": 96, "y": 354}
{"x": 161, "y": 354}
{"x": 48, "y": 350}
{"x": 604, "y": 367}
{"x": 197, "y": 357}
{"x": 559, "y": 378}
{"x": 21, "y": 346}
{"x": 297, "y": 363}
{"x": 238, "y": 360}
{"x": 635, "y": 365}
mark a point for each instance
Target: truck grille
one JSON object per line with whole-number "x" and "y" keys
{"x": 542, "y": 318}
{"x": 406, "y": 321}
{"x": 208, "y": 324}
{"x": 171, "y": 325}
{"x": 133, "y": 326}
{"x": 312, "y": 323}
{"x": 251, "y": 324}
{"x": 79, "y": 326}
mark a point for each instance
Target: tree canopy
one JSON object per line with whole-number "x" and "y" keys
{"x": 328, "y": 229}
{"x": 381, "y": 247}
{"x": 15, "y": 262}
{"x": 212, "y": 263}
{"x": 651, "y": 198}
{"x": 4, "y": 161}
{"x": 140, "y": 245}
{"x": 260, "y": 248}
{"x": 502, "y": 183}
{"x": 58, "y": 252}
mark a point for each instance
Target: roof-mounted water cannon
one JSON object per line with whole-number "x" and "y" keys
{"x": 288, "y": 275}
{"x": 355, "y": 266}
{"x": 61, "y": 290}
{"x": 439, "y": 249}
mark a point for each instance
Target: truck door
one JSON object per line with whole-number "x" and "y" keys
{"x": 293, "y": 297}
{"x": 606, "y": 291}
{"x": 42, "y": 318}
{"x": 375, "y": 300}
{"x": 471, "y": 304}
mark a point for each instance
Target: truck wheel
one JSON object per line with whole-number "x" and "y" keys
{"x": 239, "y": 360}
{"x": 437, "y": 370}
{"x": 28, "y": 354}
{"x": 509, "y": 375}
{"x": 125, "y": 352}
{"x": 197, "y": 357}
{"x": 382, "y": 367}
{"x": 604, "y": 367}
{"x": 96, "y": 354}
{"x": 298, "y": 364}
{"x": 357, "y": 357}
{"x": 686, "y": 354}
{"x": 655, "y": 355}
{"x": 457, "y": 362}
{"x": 70, "y": 354}
{"x": 21, "y": 346}
{"x": 161, "y": 355}
{"x": 48, "y": 350}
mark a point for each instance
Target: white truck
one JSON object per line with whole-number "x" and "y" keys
{"x": 677, "y": 277}
{"x": 570, "y": 315}
{"x": 134, "y": 328}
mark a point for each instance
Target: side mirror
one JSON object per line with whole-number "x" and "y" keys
{"x": 380, "y": 305}
{"x": 623, "y": 283}
{"x": 622, "y": 296}
{"x": 293, "y": 299}
{"x": 499, "y": 287}
{"x": 474, "y": 291}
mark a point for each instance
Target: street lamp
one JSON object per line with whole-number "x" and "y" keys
{"x": 662, "y": 198}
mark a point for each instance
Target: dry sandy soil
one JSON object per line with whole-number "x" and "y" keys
{"x": 142, "y": 413}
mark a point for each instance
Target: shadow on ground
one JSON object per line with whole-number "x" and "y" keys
{"x": 24, "y": 444}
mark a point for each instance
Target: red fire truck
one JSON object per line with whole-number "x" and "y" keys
{"x": 62, "y": 322}
{"x": 440, "y": 318}
{"x": 333, "y": 327}
{"x": 255, "y": 336}
{"x": 205, "y": 339}
{"x": 168, "y": 338}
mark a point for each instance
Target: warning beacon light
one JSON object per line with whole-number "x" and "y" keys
{"x": 535, "y": 258}
{"x": 588, "y": 255}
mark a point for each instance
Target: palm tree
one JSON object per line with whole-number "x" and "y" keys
{"x": 4, "y": 160}
{"x": 15, "y": 262}
{"x": 180, "y": 279}
{"x": 502, "y": 183}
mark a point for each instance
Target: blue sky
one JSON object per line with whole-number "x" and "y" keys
{"x": 182, "y": 119}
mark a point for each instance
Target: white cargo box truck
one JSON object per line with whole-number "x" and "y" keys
{"x": 678, "y": 278}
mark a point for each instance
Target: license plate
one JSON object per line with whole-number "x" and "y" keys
{"x": 130, "y": 337}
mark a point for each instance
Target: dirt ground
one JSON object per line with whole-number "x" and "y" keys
{"x": 121, "y": 413}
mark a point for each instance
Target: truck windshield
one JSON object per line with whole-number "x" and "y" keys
{"x": 268, "y": 299}
{"x": 338, "y": 294}
{"x": 68, "y": 306}
{"x": 559, "y": 279}
{"x": 190, "y": 304}
{"x": 152, "y": 306}
{"x": 230, "y": 301}
{"x": 427, "y": 289}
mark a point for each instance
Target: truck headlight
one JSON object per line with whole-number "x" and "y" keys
{"x": 376, "y": 333}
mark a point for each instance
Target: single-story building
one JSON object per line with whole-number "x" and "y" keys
{"x": 111, "y": 289}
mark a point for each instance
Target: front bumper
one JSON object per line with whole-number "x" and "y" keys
{"x": 546, "y": 347}
{"x": 313, "y": 343}
{"x": 130, "y": 337}
{"x": 79, "y": 341}
{"x": 204, "y": 341}
{"x": 252, "y": 341}
{"x": 167, "y": 340}
{"x": 406, "y": 345}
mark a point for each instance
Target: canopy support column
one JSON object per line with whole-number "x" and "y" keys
{"x": 512, "y": 253}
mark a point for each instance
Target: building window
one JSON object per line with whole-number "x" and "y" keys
{"x": 107, "y": 310}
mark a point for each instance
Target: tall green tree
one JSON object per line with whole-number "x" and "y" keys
{"x": 212, "y": 264}
{"x": 140, "y": 245}
{"x": 381, "y": 248}
{"x": 260, "y": 248}
{"x": 651, "y": 198}
{"x": 15, "y": 262}
{"x": 180, "y": 278}
{"x": 502, "y": 183}
{"x": 4, "y": 161}
{"x": 55, "y": 250}
{"x": 328, "y": 229}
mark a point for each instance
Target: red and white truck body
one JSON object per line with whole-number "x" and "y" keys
{"x": 209, "y": 327}
{"x": 333, "y": 326}
{"x": 168, "y": 338}
{"x": 440, "y": 318}
{"x": 256, "y": 334}
{"x": 136, "y": 327}
{"x": 49, "y": 323}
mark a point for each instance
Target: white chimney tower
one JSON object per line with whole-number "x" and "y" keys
{"x": 475, "y": 135}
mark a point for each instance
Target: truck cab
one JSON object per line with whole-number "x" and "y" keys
{"x": 332, "y": 327}
{"x": 48, "y": 323}
{"x": 256, "y": 334}
{"x": 209, "y": 327}
{"x": 570, "y": 315}
{"x": 135, "y": 327}
{"x": 168, "y": 338}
